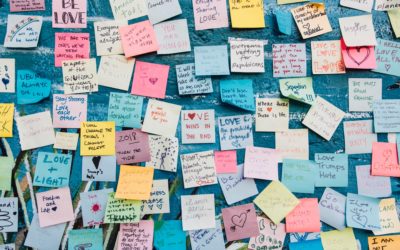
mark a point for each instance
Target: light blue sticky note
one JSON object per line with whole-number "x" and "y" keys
{"x": 285, "y": 21}
{"x": 168, "y": 235}
{"x": 205, "y": 239}
{"x": 125, "y": 109}
{"x": 238, "y": 93}
{"x": 386, "y": 115}
{"x": 50, "y": 235}
{"x": 31, "y": 88}
{"x": 85, "y": 239}
{"x": 99, "y": 168}
{"x": 332, "y": 170}
{"x": 308, "y": 244}
{"x": 94, "y": 206}
{"x": 387, "y": 57}
{"x": 362, "y": 212}
{"x": 299, "y": 175}
{"x": 52, "y": 170}
{"x": 211, "y": 60}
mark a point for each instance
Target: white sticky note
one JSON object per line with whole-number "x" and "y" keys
{"x": 332, "y": 206}
{"x": 198, "y": 211}
{"x": 115, "y": 71}
{"x": 358, "y": 31}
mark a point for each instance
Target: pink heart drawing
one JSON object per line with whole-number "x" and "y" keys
{"x": 153, "y": 80}
{"x": 239, "y": 220}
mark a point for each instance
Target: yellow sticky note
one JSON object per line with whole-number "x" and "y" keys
{"x": 394, "y": 16}
{"x": 134, "y": 183}
{"x": 388, "y": 216}
{"x": 339, "y": 240}
{"x": 389, "y": 242}
{"x": 291, "y": 1}
{"x": 247, "y": 14}
{"x": 97, "y": 138}
{"x": 6, "y": 119}
{"x": 276, "y": 201}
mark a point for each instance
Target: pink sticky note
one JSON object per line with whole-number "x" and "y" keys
{"x": 54, "y": 207}
{"x": 304, "y": 218}
{"x": 150, "y": 79}
{"x": 240, "y": 222}
{"x": 26, "y": 5}
{"x": 69, "y": 110}
{"x": 225, "y": 161}
{"x": 69, "y": 14}
{"x": 358, "y": 57}
{"x": 384, "y": 159}
{"x": 71, "y": 46}
{"x": 261, "y": 163}
{"x": 138, "y": 38}
{"x": 132, "y": 146}
{"x": 210, "y": 14}
{"x": 136, "y": 235}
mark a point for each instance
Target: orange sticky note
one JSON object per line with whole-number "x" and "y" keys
{"x": 384, "y": 159}
{"x": 138, "y": 39}
{"x": 134, "y": 183}
{"x": 389, "y": 242}
{"x": 304, "y": 218}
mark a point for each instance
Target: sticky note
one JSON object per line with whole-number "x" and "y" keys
{"x": 384, "y": 159}
{"x": 389, "y": 242}
{"x": 386, "y": 63}
{"x": 211, "y": 60}
{"x": 304, "y": 217}
{"x": 299, "y": 175}
{"x": 99, "y": 168}
{"x": 163, "y": 153}
{"x": 67, "y": 141}
{"x": 362, "y": 212}
{"x": 272, "y": 114}
{"x": 289, "y": 60}
{"x": 35, "y": 130}
{"x": 131, "y": 146}
{"x": 271, "y": 236}
{"x": 382, "y": 5}
{"x": 225, "y": 161}
{"x": 7, "y": 75}
{"x": 292, "y": 144}
{"x": 358, "y": 136}
{"x": 332, "y": 170}
{"x": 189, "y": 83}
{"x": 361, "y": 57}
{"x": 108, "y": 39}
{"x": 69, "y": 110}
{"x": 235, "y": 132}
{"x": 198, "y": 126}
{"x": 306, "y": 244}
{"x": 276, "y": 201}
{"x": 52, "y": 170}
{"x": 71, "y": 46}
{"x": 335, "y": 239}
{"x": 285, "y": 21}
{"x": 6, "y": 166}
{"x": 7, "y": 119}
{"x": 125, "y": 110}
{"x": 138, "y": 38}
{"x": 128, "y": 9}
{"x": 23, "y": 31}
{"x": 172, "y": 37}
{"x": 54, "y": 207}
{"x": 261, "y": 163}
{"x": 160, "y": 11}
{"x": 69, "y": 14}
{"x": 210, "y": 15}
{"x": 365, "y": 5}
{"x": 373, "y": 186}
{"x": 238, "y": 93}
{"x": 115, "y": 71}
{"x": 394, "y": 17}
{"x": 327, "y": 57}
{"x": 323, "y": 118}
{"x": 198, "y": 211}
{"x": 386, "y": 116}
{"x": 235, "y": 187}
{"x": 168, "y": 235}
{"x": 198, "y": 169}
{"x": 332, "y": 207}
{"x": 121, "y": 210}
{"x": 240, "y": 222}
{"x": 388, "y": 216}
{"x": 158, "y": 202}
{"x": 9, "y": 212}
{"x": 212, "y": 238}
{"x": 94, "y": 206}
{"x": 358, "y": 31}
{"x": 299, "y": 89}
{"x": 247, "y": 56}
{"x": 31, "y": 87}
{"x": 27, "y": 5}
{"x": 97, "y": 138}
{"x": 249, "y": 14}
{"x": 134, "y": 183}
{"x": 92, "y": 238}
{"x": 80, "y": 76}
{"x": 136, "y": 235}
{"x": 363, "y": 92}
{"x": 150, "y": 79}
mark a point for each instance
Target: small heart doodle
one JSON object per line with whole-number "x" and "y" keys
{"x": 362, "y": 220}
{"x": 238, "y": 221}
{"x": 358, "y": 54}
{"x": 54, "y": 209}
{"x": 153, "y": 80}
{"x": 269, "y": 109}
{"x": 191, "y": 115}
{"x": 96, "y": 161}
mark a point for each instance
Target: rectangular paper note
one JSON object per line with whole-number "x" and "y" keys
{"x": 9, "y": 213}
{"x": 26, "y": 5}
{"x": 138, "y": 38}
{"x": 158, "y": 203}
{"x": 327, "y": 57}
{"x": 94, "y": 206}
{"x": 198, "y": 211}
{"x": 211, "y": 60}
{"x": 6, "y": 119}
{"x": 272, "y": 114}
{"x": 238, "y": 93}
{"x": 388, "y": 57}
{"x": 52, "y": 235}
{"x": 299, "y": 89}
{"x": 163, "y": 152}
{"x": 365, "y": 5}
{"x": 210, "y": 15}
{"x": 332, "y": 208}
{"x": 168, "y": 234}
{"x": 382, "y": 5}
{"x": 198, "y": 126}
{"x": 85, "y": 237}
{"x": 332, "y": 170}
{"x": 108, "y": 39}
{"x": 99, "y": 168}
{"x": 386, "y": 116}
{"x": 69, "y": 14}
{"x": 305, "y": 217}
{"x": 122, "y": 211}
{"x": 362, "y": 212}
{"x": 335, "y": 239}
{"x": 358, "y": 57}
{"x": 132, "y": 146}
{"x": 261, "y": 163}
{"x": 271, "y": 236}
{"x": 125, "y": 110}
{"x": 7, "y": 75}
{"x": 240, "y": 222}
{"x": 358, "y": 30}
{"x": 136, "y": 235}
{"x": 150, "y": 79}
{"x": 388, "y": 216}
{"x": 292, "y": 144}
{"x": 23, "y": 31}
{"x": 372, "y": 186}
{"x": 284, "y": 20}
{"x": 363, "y": 92}
{"x": 235, "y": 132}
{"x": 159, "y": 11}
{"x": 80, "y": 76}
{"x": 212, "y": 238}
{"x": 225, "y": 161}
{"x": 188, "y": 83}
{"x": 69, "y": 110}
{"x": 389, "y": 242}
{"x": 31, "y": 87}
{"x": 299, "y": 175}
{"x": 115, "y": 71}
{"x": 384, "y": 159}
{"x": 52, "y": 170}
{"x": 134, "y": 183}
{"x": 198, "y": 169}
{"x": 289, "y": 60}
{"x": 394, "y": 17}
{"x": 247, "y": 14}
{"x": 6, "y": 166}
{"x": 172, "y": 37}
{"x": 358, "y": 137}
{"x": 71, "y": 46}
{"x": 97, "y": 138}
{"x": 247, "y": 56}
{"x": 128, "y": 9}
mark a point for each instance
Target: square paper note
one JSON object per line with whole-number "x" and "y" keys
{"x": 240, "y": 222}
{"x": 198, "y": 211}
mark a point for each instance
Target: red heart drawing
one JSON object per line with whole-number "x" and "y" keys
{"x": 191, "y": 115}
{"x": 153, "y": 80}
{"x": 269, "y": 109}
{"x": 358, "y": 54}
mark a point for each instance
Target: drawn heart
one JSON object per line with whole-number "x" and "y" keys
{"x": 151, "y": 207}
{"x": 159, "y": 205}
{"x": 96, "y": 161}
{"x": 306, "y": 26}
{"x": 153, "y": 80}
{"x": 109, "y": 49}
{"x": 54, "y": 208}
{"x": 239, "y": 220}
{"x": 5, "y": 81}
{"x": 358, "y": 54}
{"x": 269, "y": 109}
{"x": 191, "y": 115}
{"x": 387, "y": 67}
{"x": 362, "y": 220}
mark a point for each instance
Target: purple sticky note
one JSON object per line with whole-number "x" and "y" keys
{"x": 132, "y": 146}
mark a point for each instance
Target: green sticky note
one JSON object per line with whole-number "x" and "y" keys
{"x": 299, "y": 89}
{"x": 6, "y": 166}
{"x": 121, "y": 210}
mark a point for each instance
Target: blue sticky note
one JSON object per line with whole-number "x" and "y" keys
{"x": 125, "y": 109}
{"x": 168, "y": 235}
{"x": 332, "y": 170}
{"x": 211, "y": 60}
{"x": 85, "y": 239}
{"x": 94, "y": 206}
{"x": 50, "y": 235}
{"x": 211, "y": 238}
{"x": 52, "y": 170}
{"x": 31, "y": 88}
{"x": 386, "y": 115}
{"x": 285, "y": 21}
{"x": 238, "y": 93}
{"x": 362, "y": 212}
{"x": 387, "y": 57}
{"x": 308, "y": 244}
{"x": 299, "y": 175}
